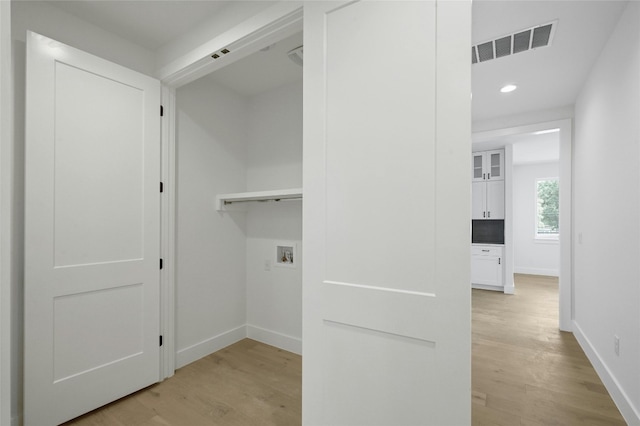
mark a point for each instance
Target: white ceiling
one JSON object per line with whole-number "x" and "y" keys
{"x": 248, "y": 76}
{"x": 549, "y": 77}
{"x": 147, "y": 23}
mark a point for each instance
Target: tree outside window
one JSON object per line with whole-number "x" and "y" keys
{"x": 547, "y": 208}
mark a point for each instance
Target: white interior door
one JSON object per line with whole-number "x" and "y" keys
{"x": 92, "y": 232}
{"x": 386, "y": 299}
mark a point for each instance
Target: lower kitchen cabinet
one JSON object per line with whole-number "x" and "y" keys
{"x": 487, "y": 267}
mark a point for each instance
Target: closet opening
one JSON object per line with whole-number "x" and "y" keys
{"x": 238, "y": 208}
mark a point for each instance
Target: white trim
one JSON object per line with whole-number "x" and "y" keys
{"x": 6, "y": 195}
{"x": 510, "y": 288}
{"x": 619, "y": 396}
{"x": 550, "y": 240}
{"x": 566, "y": 202}
{"x": 273, "y": 338}
{"x": 566, "y": 226}
{"x": 488, "y": 287}
{"x": 274, "y": 24}
{"x": 209, "y": 346}
{"x": 509, "y": 250}
{"x": 167, "y": 236}
{"x": 536, "y": 271}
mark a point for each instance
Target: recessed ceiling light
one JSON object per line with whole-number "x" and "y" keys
{"x": 509, "y": 88}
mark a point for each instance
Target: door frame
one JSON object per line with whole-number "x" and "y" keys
{"x": 566, "y": 304}
{"x": 6, "y": 206}
{"x": 258, "y": 32}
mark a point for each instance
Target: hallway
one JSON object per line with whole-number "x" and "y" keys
{"x": 524, "y": 370}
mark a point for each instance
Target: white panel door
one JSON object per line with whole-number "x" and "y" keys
{"x": 92, "y": 232}
{"x": 386, "y": 299}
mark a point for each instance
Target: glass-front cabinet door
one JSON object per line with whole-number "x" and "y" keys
{"x": 477, "y": 167}
{"x": 487, "y": 165}
{"x": 495, "y": 165}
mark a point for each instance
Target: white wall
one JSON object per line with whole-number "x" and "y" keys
{"x": 607, "y": 208}
{"x": 532, "y": 256}
{"x": 53, "y": 22}
{"x": 210, "y": 246}
{"x": 517, "y": 120}
{"x": 228, "y": 143}
{"x": 274, "y": 156}
{"x": 274, "y": 161}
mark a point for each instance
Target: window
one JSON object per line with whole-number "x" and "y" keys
{"x": 547, "y": 209}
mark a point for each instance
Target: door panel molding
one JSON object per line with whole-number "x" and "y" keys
{"x": 91, "y": 303}
{"x": 386, "y": 300}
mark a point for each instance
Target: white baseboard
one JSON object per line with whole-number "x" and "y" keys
{"x": 507, "y": 289}
{"x": 206, "y": 347}
{"x": 619, "y": 396}
{"x": 273, "y": 338}
{"x": 536, "y": 271}
{"x": 487, "y": 287}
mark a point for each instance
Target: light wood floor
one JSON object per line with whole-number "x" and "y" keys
{"x": 525, "y": 372}
{"x": 248, "y": 383}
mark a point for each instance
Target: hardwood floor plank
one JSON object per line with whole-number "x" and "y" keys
{"x": 486, "y": 416}
{"x": 526, "y": 367}
{"x": 248, "y": 383}
{"x": 524, "y": 372}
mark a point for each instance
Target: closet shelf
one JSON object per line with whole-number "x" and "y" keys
{"x": 224, "y": 200}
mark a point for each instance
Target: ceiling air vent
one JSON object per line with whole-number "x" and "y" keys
{"x": 520, "y": 41}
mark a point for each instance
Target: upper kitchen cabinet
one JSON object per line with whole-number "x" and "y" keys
{"x": 487, "y": 201}
{"x": 487, "y": 186}
{"x": 487, "y": 165}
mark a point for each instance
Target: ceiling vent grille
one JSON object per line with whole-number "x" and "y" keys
{"x": 521, "y": 41}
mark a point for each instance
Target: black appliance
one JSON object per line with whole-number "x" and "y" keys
{"x": 487, "y": 231}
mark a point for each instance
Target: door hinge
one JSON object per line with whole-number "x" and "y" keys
{"x": 161, "y": 187}
{"x": 160, "y": 340}
{"x": 160, "y": 263}
{"x": 161, "y": 111}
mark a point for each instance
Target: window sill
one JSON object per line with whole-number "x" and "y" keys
{"x": 554, "y": 240}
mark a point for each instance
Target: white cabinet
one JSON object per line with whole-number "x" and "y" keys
{"x": 487, "y": 203}
{"x": 487, "y": 165}
{"x": 487, "y": 172}
{"x": 486, "y": 267}
{"x": 487, "y": 200}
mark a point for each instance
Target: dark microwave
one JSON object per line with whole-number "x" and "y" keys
{"x": 487, "y": 231}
